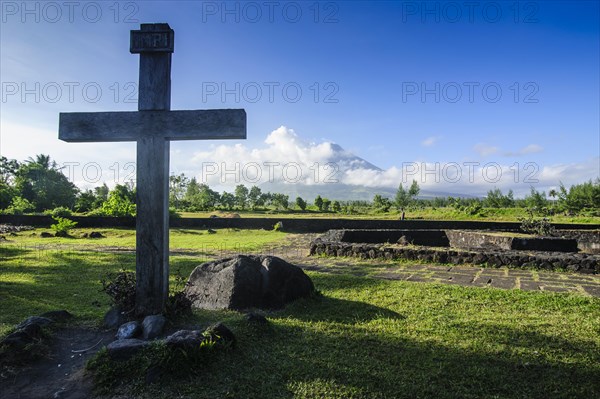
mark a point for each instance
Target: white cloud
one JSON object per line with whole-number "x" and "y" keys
{"x": 484, "y": 150}
{"x": 286, "y": 159}
{"x": 429, "y": 141}
{"x": 289, "y": 159}
{"x": 529, "y": 149}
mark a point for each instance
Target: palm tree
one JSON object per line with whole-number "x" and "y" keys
{"x": 43, "y": 161}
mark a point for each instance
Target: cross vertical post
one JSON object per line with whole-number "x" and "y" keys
{"x": 152, "y": 178}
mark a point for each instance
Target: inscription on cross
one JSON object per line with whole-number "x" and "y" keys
{"x": 153, "y": 126}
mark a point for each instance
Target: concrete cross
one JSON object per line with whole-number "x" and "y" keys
{"x": 152, "y": 127}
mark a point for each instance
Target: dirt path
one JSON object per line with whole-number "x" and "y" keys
{"x": 59, "y": 374}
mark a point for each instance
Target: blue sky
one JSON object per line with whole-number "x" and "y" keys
{"x": 501, "y": 83}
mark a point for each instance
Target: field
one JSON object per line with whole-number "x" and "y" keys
{"x": 188, "y": 239}
{"x": 361, "y": 338}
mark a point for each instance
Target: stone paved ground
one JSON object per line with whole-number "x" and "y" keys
{"x": 295, "y": 249}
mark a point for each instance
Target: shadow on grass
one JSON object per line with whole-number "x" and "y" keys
{"x": 37, "y": 281}
{"x": 9, "y": 251}
{"x": 345, "y": 281}
{"x": 327, "y": 309}
{"x": 335, "y": 348}
{"x": 379, "y": 365}
{"x": 46, "y": 280}
{"x": 326, "y": 359}
{"x": 189, "y": 232}
{"x": 530, "y": 339}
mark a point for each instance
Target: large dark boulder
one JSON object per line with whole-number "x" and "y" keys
{"x": 245, "y": 282}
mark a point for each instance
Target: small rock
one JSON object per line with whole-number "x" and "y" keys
{"x": 17, "y": 340}
{"x": 57, "y": 315}
{"x": 153, "y": 325}
{"x": 62, "y": 234}
{"x": 256, "y": 318}
{"x": 124, "y": 349}
{"x": 96, "y": 234}
{"x": 114, "y": 318}
{"x": 129, "y": 330}
{"x": 40, "y": 321}
{"x": 185, "y": 339}
{"x": 33, "y": 330}
{"x": 24, "y": 336}
{"x": 211, "y": 231}
{"x": 45, "y": 234}
{"x": 219, "y": 333}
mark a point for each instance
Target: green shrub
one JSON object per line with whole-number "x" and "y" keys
{"x": 120, "y": 287}
{"x": 19, "y": 206}
{"x": 178, "y": 303}
{"x": 120, "y": 202}
{"x": 62, "y": 226}
{"x": 96, "y": 212}
{"x": 474, "y": 210}
{"x": 61, "y": 211}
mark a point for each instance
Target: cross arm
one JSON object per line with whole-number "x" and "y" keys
{"x": 82, "y": 127}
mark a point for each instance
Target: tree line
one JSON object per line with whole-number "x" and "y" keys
{"x": 38, "y": 185}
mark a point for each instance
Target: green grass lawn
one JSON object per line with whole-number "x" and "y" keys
{"x": 191, "y": 239}
{"x": 41, "y": 274}
{"x": 362, "y": 338}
